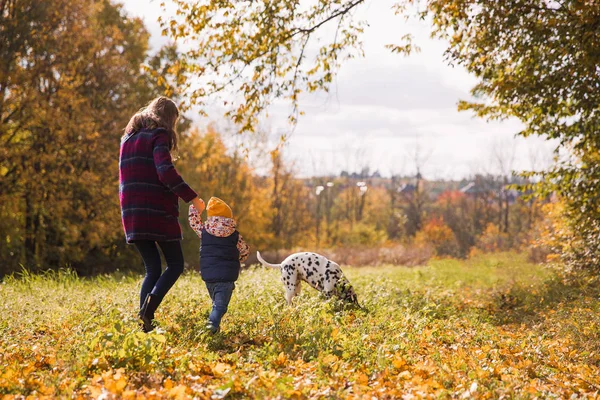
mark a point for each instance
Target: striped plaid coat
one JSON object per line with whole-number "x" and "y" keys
{"x": 150, "y": 187}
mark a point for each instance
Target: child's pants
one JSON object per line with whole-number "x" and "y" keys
{"x": 220, "y": 294}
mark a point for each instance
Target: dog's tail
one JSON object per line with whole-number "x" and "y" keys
{"x": 266, "y": 264}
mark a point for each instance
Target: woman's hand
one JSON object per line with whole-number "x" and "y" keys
{"x": 198, "y": 204}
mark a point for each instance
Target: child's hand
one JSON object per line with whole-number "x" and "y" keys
{"x": 198, "y": 204}
{"x": 194, "y": 216}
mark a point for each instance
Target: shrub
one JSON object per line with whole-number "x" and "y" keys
{"x": 438, "y": 235}
{"x": 359, "y": 256}
{"x": 361, "y": 233}
{"x": 552, "y": 236}
{"x": 493, "y": 240}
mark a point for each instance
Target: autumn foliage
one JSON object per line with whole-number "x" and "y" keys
{"x": 494, "y": 326}
{"x": 70, "y": 78}
{"x": 76, "y": 71}
{"x": 440, "y": 236}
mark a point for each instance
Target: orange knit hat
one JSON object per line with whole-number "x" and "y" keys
{"x": 218, "y": 208}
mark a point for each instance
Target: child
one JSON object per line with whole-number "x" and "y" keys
{"x": 221, "y": 251}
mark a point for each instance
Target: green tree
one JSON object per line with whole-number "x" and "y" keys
{"x": 260, "y": 49}
{"x": 536, "y": 60}
{"x": 291, "y": 217}
{"x": 70, "y": 77}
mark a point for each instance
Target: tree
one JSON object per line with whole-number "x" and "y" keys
{"x": 260, "y": 49}
{"x": 536, "y": 60}
{"x": 291, "y": 218}
{"x": 414, "y": 195}
{"x": 461, "y": 214}
{"x": 396, "y": 218}
{"x": 70, "y": 77}
{"x": 529, "y": 62}
{"x": 437, "y": 234}
{"x": 503, "y": 156}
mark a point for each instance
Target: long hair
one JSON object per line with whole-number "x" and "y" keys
{"x": 159, "y": 113}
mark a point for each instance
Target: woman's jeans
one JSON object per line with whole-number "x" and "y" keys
{"x": 220, "y": 294}
{"x": 156, "y": 282}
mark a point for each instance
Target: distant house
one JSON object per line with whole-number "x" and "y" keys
{"x": 476, "y": 189}
{"x": 480, "y": 186}
{"x": 407, "y": 188}
{"x": 473, "y": 188}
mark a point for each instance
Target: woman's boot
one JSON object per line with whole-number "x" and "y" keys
{"x": 147, "y": 312}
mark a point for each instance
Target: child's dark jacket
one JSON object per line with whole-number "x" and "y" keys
{"x": 221, "y": 247}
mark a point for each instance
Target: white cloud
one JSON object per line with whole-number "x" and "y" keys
{"x": 384, "y": 104}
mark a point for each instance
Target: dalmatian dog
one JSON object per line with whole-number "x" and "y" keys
{"x": 322, "y": 274}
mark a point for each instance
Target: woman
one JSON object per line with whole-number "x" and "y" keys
{"x": 149, "y": 190}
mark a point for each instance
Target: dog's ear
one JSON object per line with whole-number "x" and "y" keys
{"x": 350, "y": 295}
{"x": 346, "y": 292}
{"x": 353, "y": 297}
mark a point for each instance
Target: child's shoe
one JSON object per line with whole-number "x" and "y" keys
{"x": 211, "y": 328}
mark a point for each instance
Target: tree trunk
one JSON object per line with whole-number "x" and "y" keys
{"x": 31, "y": 223}
{"x": 506, "y": 201}
{"x": 318, "y": 226}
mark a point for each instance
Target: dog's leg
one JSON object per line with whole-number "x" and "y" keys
{"x": 289, "y": 277}
{"x": 292, "y": 289}
{"x": 289, "y": 295}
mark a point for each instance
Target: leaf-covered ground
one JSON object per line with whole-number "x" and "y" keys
{"x": 490, "y": 327}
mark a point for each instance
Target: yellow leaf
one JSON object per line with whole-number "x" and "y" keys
{"x": 281, "y": 359}
{"x": 160, "y": 338}
{"x": 334, "y": 333}
{"x": 178, "y": 392}
{"x": 361, "y": 378}
{"x": 398, "y": 362}
{"x": 120, "y": 385}
{"x": 220, "y": 369}
{"x": 404, "y": 375}
{"x": 168, "y": 384}
{"x": 330, "y": 359}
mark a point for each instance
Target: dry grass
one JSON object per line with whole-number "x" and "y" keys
{"x": 409, "y": 255}
{"x": 491, "y": 327}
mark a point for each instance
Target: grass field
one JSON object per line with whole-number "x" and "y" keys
{"x": 489, "y": 327}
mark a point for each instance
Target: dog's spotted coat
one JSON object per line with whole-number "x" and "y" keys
{"x": 322, "y": 274}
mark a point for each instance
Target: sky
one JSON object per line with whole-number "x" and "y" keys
{"x": 386, "y": 111}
